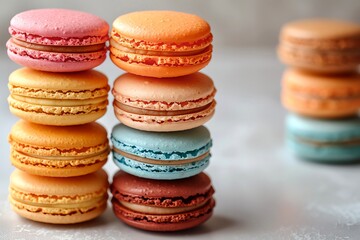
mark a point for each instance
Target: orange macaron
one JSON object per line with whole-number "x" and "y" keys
{"x": 322, "y": 96}
{"x": 54, "y": 151}
{"x": 160, "y": 43}
{"x": 58, "y": 200}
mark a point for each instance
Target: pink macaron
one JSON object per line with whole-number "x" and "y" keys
{"x": 57, "y": 40}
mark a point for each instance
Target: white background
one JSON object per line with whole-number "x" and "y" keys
{"x": 262, "y": 190}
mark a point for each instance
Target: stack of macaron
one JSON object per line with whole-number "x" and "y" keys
{"x": 162, "y": 102}
{"x": 321, "y": 89}
{"x": 57, "y": 147}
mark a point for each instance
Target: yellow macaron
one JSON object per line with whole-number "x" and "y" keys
{"x": 58, "y": 98}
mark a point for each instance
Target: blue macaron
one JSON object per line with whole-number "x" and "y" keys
{"x": 161, "y": 155}
{"x": 336, "y": 140}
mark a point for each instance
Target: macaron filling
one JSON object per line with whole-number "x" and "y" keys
{"x": 60, "y": 49}
{"x": 160, "y": 162}
{"x": 159, "y": 210}
{"x": 55, "y": 56}
{"x": 176, "y": 202}
{"x": 137, "y": 44}
{"x": 175, "y": 218}
{"x": 323, "y": 44}
{"x": 157, "y": 154}
{"x": 142, "y": 111}
{"x": 159, "y": 59}
{"x": 326, "y": 57}
{"x": 58, "y": 205}
{"x": 123, "y": 101}
{"x": 56, "y": 106}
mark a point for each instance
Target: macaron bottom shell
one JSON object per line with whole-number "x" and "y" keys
{"x": 328, "y": 154}
{"x": 169, "y": 126}
{"x": 55, "y": 66}
{"x": 57, "y": 120}
{"x": 57, "y": 172}
{"x": 164, "y": 223}
{"x": 73, "y": 218}
{"x": 157, "y": 70}
{"x": 161, "y": 172}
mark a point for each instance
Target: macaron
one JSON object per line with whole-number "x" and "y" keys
{"x": 54, "y": 151}
{"x": 321, "y": 45}
{"x": 161, "y": 155}
{"x": 322, "y": 96}
{"x": 58, "y": 98}
{"x": 57, "y": 40}
{"x": 333, "y": 141}
{"x": 58, "y": 200}
{"x": 160, "y": 43}
{"x": 161, "y": 105}
{"x": 157, "y": 205}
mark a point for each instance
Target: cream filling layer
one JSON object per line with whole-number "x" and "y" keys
{"x": 159, "y": 210}
{"x": 160, "y": 162}
{"x": 59, "y": 102}
{"x": 122, "y": 48}
{"x": 60, "y": 49}
{"x": 57, "y": 200}
{"x": 148, "y": 112}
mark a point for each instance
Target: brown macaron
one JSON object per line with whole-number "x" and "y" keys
{"x": 158, "y": 205}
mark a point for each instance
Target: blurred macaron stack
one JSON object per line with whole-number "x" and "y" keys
{"x": 162, "y": 102}
{"x": 321, "y": 89}
{"x": 57, "y": 147}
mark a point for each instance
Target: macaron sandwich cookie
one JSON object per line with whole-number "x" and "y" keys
{"x": 57, "y": 40}
{"x": 336, "y": 141}
{"x": 161, "y": 105}
{"x": 160, "y": 43}
{"x": 58, "y": 151}
{"x": 58, "y": 200}
{"x": 321, "y": 45}
{"x": 156, "y": 205}
{"x": 58, "y": 98}
{"x": 322, "y": 96}
{"x": 161, "y": 155}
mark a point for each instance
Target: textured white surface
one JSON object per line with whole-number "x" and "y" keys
{"x": 262, "y": 191}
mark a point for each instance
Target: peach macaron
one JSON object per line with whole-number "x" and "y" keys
{"x": 164, "y": 105}
{"x": 160, "y": 43}
{"x": 321, "y": 96}
{"x": 58, "y": 200}
{"x": 321, "y": 45}
{"x": 54, "y": 151}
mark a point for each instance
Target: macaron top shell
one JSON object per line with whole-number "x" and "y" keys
{"x": 77, "y": 137}
{"x": 59, "y": 27}
{"x": 86, "y": 84}
{"x": 127, "y": 184}
{"x": 162, "y": 30}
{"x": 170, "y": 145}
{"x": 75, "y": 186}
{"x": 324, "y": 130}
{"x": 169, "y": 93}
{"x": 321, "y": 29}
